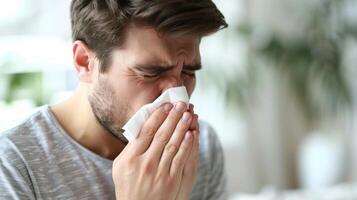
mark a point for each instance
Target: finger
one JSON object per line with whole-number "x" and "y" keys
{"x": 193, "y": 159}
{"x": 174, "y": 143}
{"x": 150, "y": 127}
{"x": 165, "y": 131}
{"x": 194, "y": 123}
{"x": 179, "y": 160}
{"x": 191, "y": 108}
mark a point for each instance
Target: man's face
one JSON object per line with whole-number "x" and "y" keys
{"x": 146, "y": 66}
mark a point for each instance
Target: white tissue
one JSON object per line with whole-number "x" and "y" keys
{"x": 135, "y": 123}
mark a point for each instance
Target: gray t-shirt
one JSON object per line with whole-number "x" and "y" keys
{"x": 39, "y": 160}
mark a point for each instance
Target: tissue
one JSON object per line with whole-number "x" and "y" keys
{"x": 133, "y": 126}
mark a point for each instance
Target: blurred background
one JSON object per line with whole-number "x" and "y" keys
{"x": 278, "y": 86}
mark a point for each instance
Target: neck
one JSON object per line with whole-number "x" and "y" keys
{"x": 77, "y": 119}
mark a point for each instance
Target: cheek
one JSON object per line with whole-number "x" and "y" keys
{"x": 127, "y": 93}
{"x": 141, "y": 94}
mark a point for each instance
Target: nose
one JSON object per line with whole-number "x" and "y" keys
{"x": 170, "y": 82}
{"x": 174, "y": 79}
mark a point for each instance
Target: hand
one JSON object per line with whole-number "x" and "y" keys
{"x": 190, "y": 169}
{"x": 151, "y": 166}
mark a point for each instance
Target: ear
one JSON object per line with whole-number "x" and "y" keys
{"x": 84, "y": 62}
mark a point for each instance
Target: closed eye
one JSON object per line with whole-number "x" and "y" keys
{"x": 154, "y": 71}
{"x": 189, "y": 72}
{"x": 151, "y": 75}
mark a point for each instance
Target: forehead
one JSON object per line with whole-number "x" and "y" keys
{"x": 145, "y": 43}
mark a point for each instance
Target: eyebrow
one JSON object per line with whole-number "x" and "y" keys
{"x": 163, "y": 68}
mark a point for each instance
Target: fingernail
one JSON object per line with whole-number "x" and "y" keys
{"x": 186, "y": 117}
{"x": 168, "y": 107}
{"x": 180, "y": 106}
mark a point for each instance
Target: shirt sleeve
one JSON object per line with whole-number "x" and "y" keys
{"x": 14, "y": 183}
{"x": 217, "y": 179}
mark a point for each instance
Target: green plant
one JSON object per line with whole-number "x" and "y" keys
{"x": 312, "y": 64}
{"x": 25, "y": 86}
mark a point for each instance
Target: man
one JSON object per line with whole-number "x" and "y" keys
{"x": 126, "y": 53}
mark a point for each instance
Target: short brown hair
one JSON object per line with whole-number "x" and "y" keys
{"x": 101, "y": 23}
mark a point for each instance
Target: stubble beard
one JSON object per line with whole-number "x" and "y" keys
{"x": 110, "y": 111}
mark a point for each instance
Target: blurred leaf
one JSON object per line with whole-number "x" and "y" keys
{"x": 311, "y": 64}
{"x": 25, "y": 86}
